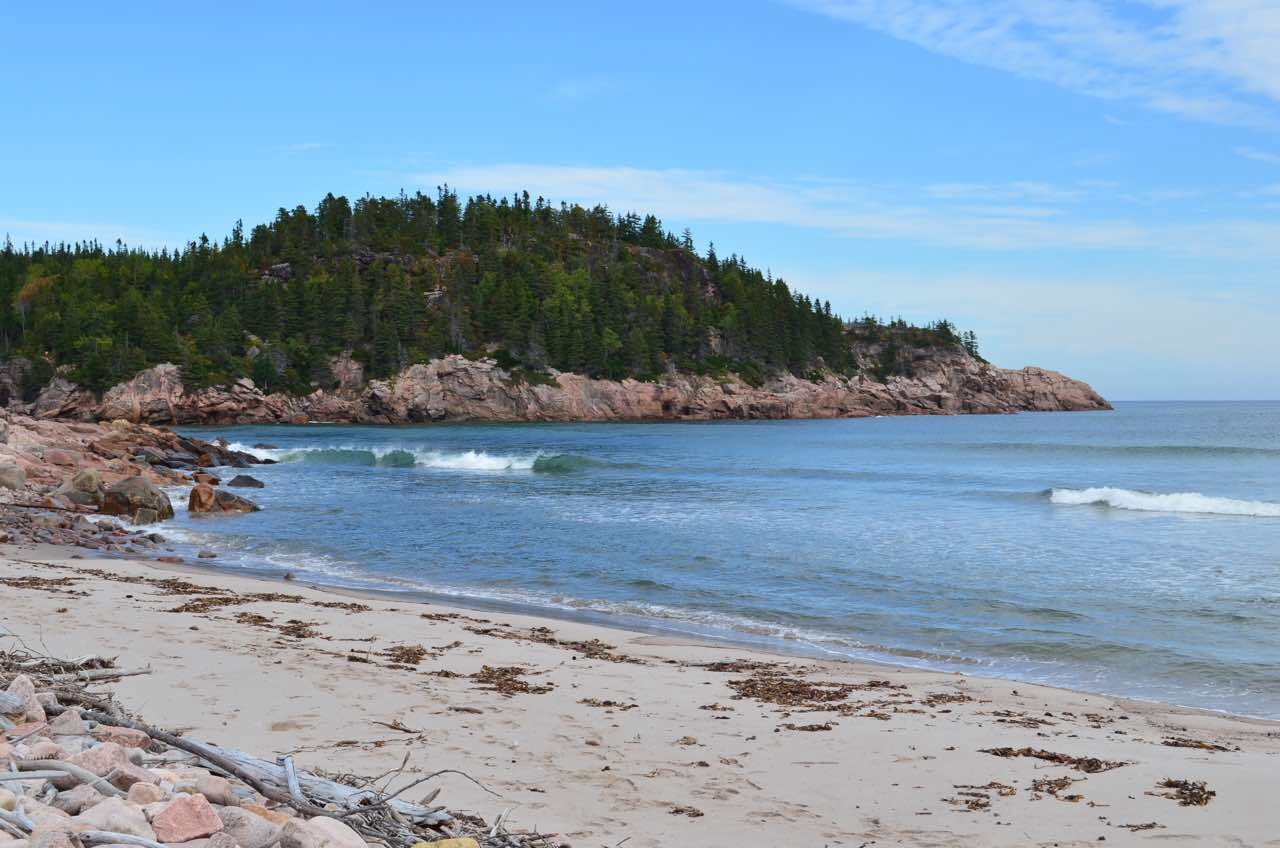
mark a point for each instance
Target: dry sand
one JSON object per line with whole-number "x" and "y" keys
{"x": 699, "y": 759}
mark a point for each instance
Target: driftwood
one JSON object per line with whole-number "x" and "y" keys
{"x": 75, "y": 772}
{"x": 272, "y": 781}
{"x": 99, "y": 674}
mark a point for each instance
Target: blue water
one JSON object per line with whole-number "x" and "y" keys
{"x": 1134, "y": 552}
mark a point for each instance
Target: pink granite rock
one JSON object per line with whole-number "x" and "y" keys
{"x": 124, "y": 736}
{"x": 187, "y": 817}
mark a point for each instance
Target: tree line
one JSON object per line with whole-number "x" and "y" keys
{"x": 410, "y": 278}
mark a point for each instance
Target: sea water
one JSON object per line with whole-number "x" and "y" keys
{"x": 1134, "y": 552}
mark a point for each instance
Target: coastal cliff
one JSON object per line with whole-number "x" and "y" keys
{"x": 455, "y": 388}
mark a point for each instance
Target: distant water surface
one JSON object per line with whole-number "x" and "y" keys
{"x": 1134, "y": 552}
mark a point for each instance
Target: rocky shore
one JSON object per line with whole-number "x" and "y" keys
{"x": 455, "y": 388}
{"x": 97, "y": 485}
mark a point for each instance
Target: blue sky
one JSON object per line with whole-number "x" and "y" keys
{"x": 1090, "y": 186}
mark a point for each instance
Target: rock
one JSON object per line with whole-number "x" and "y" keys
{"x": 143, "y": 793}
{"x": 12, "y": 476}
{"x": 146, "y": 516}
{"x": 248, "y": 829}
{"x": 100, "y": 759}
{"x": 125, "y": 776}
{"x": 205, "y": 499}
{"x": 133, "y": 494}
{"x": 50, "y": 838}
{"x": 207, "y": 478}
{"x": 125, "y": 737}
{"x": 22, "y": 687}
{"x": 44, "y": 816}
{"x": 8, "y": 801}
{"x": 320, "y": 832}
{"x": 46, "y": 750}
{"x": 274, "y": 816}
{"x": 77, "y": 799}
{"x": 207, "y": 555}
{"x": 185, "y": 818}
{"x": 57, "y": 456}
{"x": 85, "y": 488}
{"x": 69, "y": 723}
{"x": 244, "y": 481}
{"x": 218, "y": 790}
{"x": 117, "y": 816}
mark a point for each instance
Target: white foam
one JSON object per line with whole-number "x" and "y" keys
{"x": 471, "y": 460}
{"x": 1188, "y": 502}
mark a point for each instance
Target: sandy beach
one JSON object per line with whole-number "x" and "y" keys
{"x": 609, "y": 737}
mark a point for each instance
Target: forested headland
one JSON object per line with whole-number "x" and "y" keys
{"x": 412, "y": 278}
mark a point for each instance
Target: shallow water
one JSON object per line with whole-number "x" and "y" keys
{"x": 1135, "y": 552}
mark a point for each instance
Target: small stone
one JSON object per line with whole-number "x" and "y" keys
{"x": 46, "y": 838}
{"x": 273, "y": 816}
{"x": 8, "y": 801}
{"x": 125, "y": 737}
{"x": 248, "y": 829}
{"x": 23, "y": 688}
{"x": 218, "y": 790}
{"x": 77, "y": 800}
{"x": 222, "y": 840}
{"x": 143, "y": 793}
{"x": 185, "y": 818}
{"x": 117, "y": 816}
{"x": 125, "y": 776}
{"x": 47, "y": 750}
{"x": 207, "y": 555}
{"x": 70, "y": 723}
{"x": 320, "y": 832}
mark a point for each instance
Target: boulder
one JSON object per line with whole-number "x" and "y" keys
{"x": 185, "y": 818}
{"x": 126, "y": 737}
{"x": 117, "y": 816}
{"x": 205, "y": 499}
{"x": 85, "y": 488}
{"x": 244, "y": 481}
{"x": 320, "y": 832}
{"x": 12, "y": 476}
{"x": 132, "y": 495}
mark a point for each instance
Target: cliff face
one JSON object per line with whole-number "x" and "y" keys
{"x": 458, "y": 389}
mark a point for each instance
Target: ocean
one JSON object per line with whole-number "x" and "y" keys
{"x": 1134, "y": 552}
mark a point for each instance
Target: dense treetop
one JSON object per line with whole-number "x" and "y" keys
{"x": 406, "y": 279}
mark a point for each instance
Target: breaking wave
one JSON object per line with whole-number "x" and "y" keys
{"x": 1186, "y": 502}
{"x": 396, "y": 457}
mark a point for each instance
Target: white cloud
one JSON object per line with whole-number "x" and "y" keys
{"x": 862, "y": 212}
{"x": 1258, "y": 155}
{"x": 1033, "y": 191}
{"x": 1208, "y": 60}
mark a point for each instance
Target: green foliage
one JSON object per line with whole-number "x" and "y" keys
{"x": 407, "y": 279}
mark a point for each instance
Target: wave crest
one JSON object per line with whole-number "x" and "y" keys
{"x": 1186, "y": 502}
{"x": 398, "y": 457}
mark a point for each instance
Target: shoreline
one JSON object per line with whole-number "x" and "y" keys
{"x": 660, "y": 737}
{"x": 635, "y": 625}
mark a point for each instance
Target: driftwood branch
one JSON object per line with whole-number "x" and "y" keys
{"x": 71, "y": 770}
{"x": 104, "y": 837}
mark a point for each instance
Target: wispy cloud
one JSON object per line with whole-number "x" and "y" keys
{"x": 1258, "y": 155}
{"x": 1206, "y": 60}
{"x": 1034, "y": 191}
{"x": 848, "y": 209}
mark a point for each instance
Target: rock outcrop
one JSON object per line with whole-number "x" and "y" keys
{"x": 947, "y": 381}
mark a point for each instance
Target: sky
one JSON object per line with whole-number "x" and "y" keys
{"x": 1090, "y": 186}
